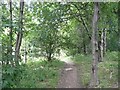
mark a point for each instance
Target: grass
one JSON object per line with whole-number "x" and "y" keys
{"x": 40, "y": 74}
{"x": 107, "y": 70}
{"x": 84, "y": 65}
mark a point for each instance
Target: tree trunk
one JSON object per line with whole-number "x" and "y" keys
{"x": 94, "y": 76}
{"x": 78, "y": 49}
{"x": 99, "y": 46}
{"x": 25, "y": 54}
{"x": 99, "y": 50}
{"x": 10, "y": 34}
{"x": 49, "y": 57}
{"x": 20, "y": 33}
{"x": 83, "y": 41}
{"x": 78, "y": 43}
{"x": 84, "y": 47}
{"x": 104, "y": 42}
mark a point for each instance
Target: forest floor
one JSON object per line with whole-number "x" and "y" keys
{"x": 69, "y": 74}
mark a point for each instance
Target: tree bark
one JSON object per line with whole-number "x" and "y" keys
{"x": 94, "y": 76}
{"x": 20, "y": 33}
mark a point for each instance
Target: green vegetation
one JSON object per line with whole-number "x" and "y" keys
{"x": 35, "y": 74}
{"x": 39, "y": 31}
{"x": 107, "y": 70}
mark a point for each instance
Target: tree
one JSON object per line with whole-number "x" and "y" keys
{"x": 10, "y": 34}
{"x": 94, "y": 76}
{"x": 20, "y": 33}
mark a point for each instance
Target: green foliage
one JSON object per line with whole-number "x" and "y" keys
{"x": 40, "y": 74}
{"x": 11, "y": 75}
{"x": 112, "y": 41}
{"x": 46, "y": 36}
{"x": 48, "y": 27}
{"x": 71, "y": 37}
{"x": 113, "y": 56}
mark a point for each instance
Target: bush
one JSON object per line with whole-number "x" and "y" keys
{"x": 113, "y": 56}
{"x": 40, "y": 74}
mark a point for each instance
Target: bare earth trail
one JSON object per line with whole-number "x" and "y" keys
{"x": 69, "y": 74}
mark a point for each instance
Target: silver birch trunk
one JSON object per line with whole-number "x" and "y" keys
{"x": 102, "y": 44}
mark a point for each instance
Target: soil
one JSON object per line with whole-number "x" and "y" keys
{"x": 69, "y": 77}
{"x": 69, "y": 74}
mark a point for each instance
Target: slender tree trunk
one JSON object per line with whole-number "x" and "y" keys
{"x": 84, "y": 47}
{"x": 102, "y": 45}
{"x": 99, "y": 46}
{"x": 104, "y": 42}
{"x": 25, "y": 56}
{"x": 78, "y": 43}
{"x": 49, "y": 53}
{"x": 78, "y": 48}
{"x": 99, "y": 50}
{"x": 94, "y": 76}
{"x": 10, "y": 34}
{"x": 83, "y": 40}
{"x": 20, "y": 33}
{"x": 80, "y": 19}
{"x": 49, "y": 57}
{"x": 25, "y": 53}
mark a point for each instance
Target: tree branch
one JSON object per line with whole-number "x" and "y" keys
{"x": 83, "y": 22}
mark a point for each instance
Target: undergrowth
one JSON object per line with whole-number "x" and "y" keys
{"x": 40, "y": 74}
{"x": 107, "y": 70}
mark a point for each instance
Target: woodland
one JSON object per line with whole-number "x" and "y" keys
{"x": 58, "y": 44}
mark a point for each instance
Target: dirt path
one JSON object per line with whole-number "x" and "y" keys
{"x": 69, "y": 74}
